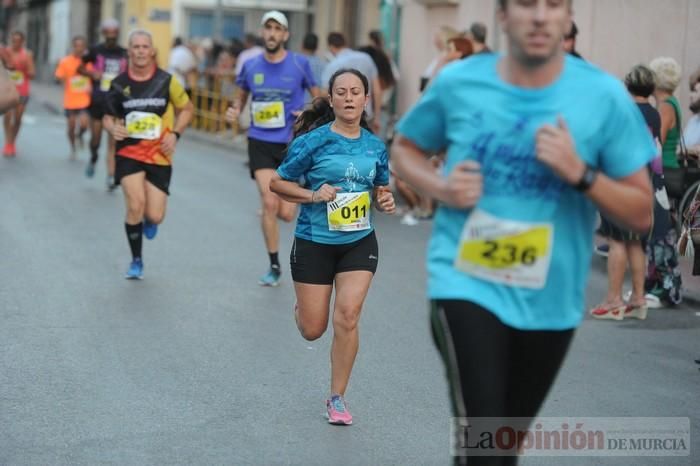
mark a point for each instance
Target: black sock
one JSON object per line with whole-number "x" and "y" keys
{"x": 94, "y": 154}
{"x": 134, "y": 235}
{"x": 274, "y": 260}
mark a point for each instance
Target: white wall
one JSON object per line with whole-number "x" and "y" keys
{"x": 59, "y": 28}
{"x": 614, "y": 34}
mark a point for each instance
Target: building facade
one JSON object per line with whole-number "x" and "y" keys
{"x": 613, "y": 34}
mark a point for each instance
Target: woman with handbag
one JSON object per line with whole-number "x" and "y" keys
{"x": 691, "y": 136}
{"x": 668, "y": 77}
{"x": 627, "y": 247}
{"x": 663, "y": 281}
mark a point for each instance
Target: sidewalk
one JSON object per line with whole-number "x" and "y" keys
{"x": 691, "y": 284}
{"x": 50, "y": 96}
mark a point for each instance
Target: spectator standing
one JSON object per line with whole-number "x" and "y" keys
{"x": 345, "y": 57}
{"x": 388, "y": 71}
{"x": 691, "y": 135}
{"x": 440, "y": 40}
{"x": 668, "y": 76}
{"x": 570, "y": 41}
{"x": 308, "y": 49}
{"x": 458, "y": 48}
{"x": 627, "y": 247}
{"x": 182, "y": 64}
{"x": 252, "y": 50}
{"x": 477, "y": 34}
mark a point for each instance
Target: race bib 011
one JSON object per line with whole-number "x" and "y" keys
{"x": 505, "y": 251}
{"x": 349, "y": 212}
{"x": 268, "y": 114}
{"x": 143, "y": 125}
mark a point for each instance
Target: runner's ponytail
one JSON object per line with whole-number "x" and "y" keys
{"x": 317, "y": 115}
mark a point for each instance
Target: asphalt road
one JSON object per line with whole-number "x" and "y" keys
{"x": 197, "y": 364}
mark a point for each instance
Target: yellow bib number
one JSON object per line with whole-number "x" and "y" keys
{"x": 349, "y": 212}
{"x": 505, "y": 251}
{"x": 143, "y": 125}
{"x": 106, "y": 81}
{"x": 79, "y": 84}
{"x": 268, "y": 114}
{"x": 17, "y": 77}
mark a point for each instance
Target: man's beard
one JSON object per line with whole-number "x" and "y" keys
{"x": 274, "y": 49}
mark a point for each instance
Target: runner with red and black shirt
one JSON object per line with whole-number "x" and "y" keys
{"x": 107, "y": 60}
{"x": 147, "y": 110}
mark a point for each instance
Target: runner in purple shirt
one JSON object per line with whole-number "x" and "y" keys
{"x": 276, "y": 82}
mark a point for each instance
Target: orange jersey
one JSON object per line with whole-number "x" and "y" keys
{"x": 148, "y": 110}
{"x": 77, "y": 87}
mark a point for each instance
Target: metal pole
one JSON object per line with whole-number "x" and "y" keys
{"x": 394, "y": 51}
{"x": 218, "y": 32}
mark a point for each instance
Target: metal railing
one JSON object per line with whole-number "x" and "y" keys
{"x": 211, "y": 97}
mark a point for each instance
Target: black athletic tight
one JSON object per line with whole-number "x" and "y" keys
{"x": 494, "y": 370}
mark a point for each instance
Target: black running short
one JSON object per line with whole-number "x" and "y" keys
{"x": 98, "y": 106}
{"x": 263, "y": 154}
{"x": 157, "y": 175}
{"x": 69, "y": 112}
{"x": 318, "y": 264}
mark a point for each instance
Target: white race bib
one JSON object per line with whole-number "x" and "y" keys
{"x": 79, "y": 84}
{"x": 505, "y": 251}
{"x": 268, "y": 114}
{"x": 349, "y": 212}
{"x": 106, "y": 81}
{"x": 143, "y": 125}
{"x": 17, "y": 77}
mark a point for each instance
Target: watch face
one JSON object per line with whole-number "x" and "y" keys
{"x": 587, "y": 179}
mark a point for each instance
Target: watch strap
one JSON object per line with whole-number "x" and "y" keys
{"x": 587, "y": 179}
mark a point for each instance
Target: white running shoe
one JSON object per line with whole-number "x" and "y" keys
{"x": 653, "y": 302}
{"x": 409, "y": 219}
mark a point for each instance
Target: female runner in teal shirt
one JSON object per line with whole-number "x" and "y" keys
{"x": 345, "y": 170}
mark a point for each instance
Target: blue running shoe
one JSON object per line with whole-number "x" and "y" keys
{"x": 90, "y": 170}
{"x": 135, "y": 271}
{"x": 150, "y": 230}
{"x": 271, "y": 278}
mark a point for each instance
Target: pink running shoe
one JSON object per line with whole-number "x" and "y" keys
{"x": 338, "y": 413}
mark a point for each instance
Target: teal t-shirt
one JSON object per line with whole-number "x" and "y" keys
{"x": 322, "y": 156}
{"x": 473, "y": 114}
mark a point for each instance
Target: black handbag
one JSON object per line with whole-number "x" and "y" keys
{"x": 677, "y": 180}
{"x": 674, "y": 180}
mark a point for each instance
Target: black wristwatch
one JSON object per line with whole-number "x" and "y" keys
{"x": 589, "y": 176}
{"x": 177, "y": 135}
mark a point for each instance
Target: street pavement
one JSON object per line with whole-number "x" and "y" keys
{"x": 197, "y": 364}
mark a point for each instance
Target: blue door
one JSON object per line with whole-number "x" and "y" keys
{"x": 233, "y": 26}
{"x": 202, "y": 25}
